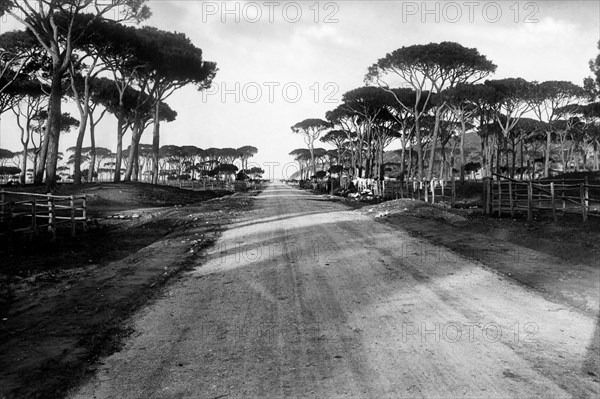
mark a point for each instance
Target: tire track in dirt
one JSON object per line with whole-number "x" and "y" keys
{"x": 304, "y": 298}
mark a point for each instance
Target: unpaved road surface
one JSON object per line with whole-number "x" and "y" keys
{"x": 305, "y": 298}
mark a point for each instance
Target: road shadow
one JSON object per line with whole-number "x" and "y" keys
{"x": 591, "y": 364}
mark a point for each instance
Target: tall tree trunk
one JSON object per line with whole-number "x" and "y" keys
{"x": 133, "y": 151}
{"x": 156, "y": 143}
{"x": 452, "y": 164}
{"x": 25, "y": 142}
{"x": 353, "y": 161}
{"x": 410, "y": 171}
{"x": 436, "y": 131}
{"x": 92, "y": 148}
{"x": 381, "y": 171}
{"x": 78, "y": 147}
{"x": 490, "y": 147}
{"x": 547, "y": 160}
{"x": 514, "y": 160}
{"x": 359, "y": 156}
{"x": 311, "y": 147}
{"x": 563, "y": 160}
{"x": 571, "y": 157}
{"x": 420, "y": 163}
{"x": 54, "y": 121}
{"x": 442, "y": 162}
{"x": 484, "y": 157}
{"x": 119, "y": 155}
{"x": 498, "y": 159}
{"x": 522, "y": 156}
{"x": 506, "y": 158}
{"x": 403, "y": 168}
{"x": 484, "y": 150}
{"x": 136, "y": 164}
{"x": 23, "y": 174}
{"x": 41, "y": 158}
{"x": 35, "y": 162}
{"x": 463, "y": 127}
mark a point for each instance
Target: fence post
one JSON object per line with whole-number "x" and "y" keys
{"x": 486, "y": 190}
{"x": 52, "y": 217}
{"x": 587, "y": 195}
{"x": 529, "y": 201}
{"x": 2, "y": 205}
{"x": 583, "y": 201}
{"x": 72, "y": 206}
{"x": 499, "y": 197}
{"x": 49, "y": 212}
{"x": 417, "y": 188}
{"x": 490, "y": 195}
{"x": 511, "y": 201}
{"x": 564, "y": 203}
{"x": 34, "y": 227}
{"x": 425, "y": 191}
{"x": 553, "y": 201}
{"x": 432, "y": 183}
{"x": 84, "y": 206}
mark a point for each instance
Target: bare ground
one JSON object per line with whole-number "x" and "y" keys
{"x": 303, "y": 297}
{"x": 559, "y": 259}
{"x": 65, "y": 304}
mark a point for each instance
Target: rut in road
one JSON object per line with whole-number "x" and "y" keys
{"x": 304, "y": 298}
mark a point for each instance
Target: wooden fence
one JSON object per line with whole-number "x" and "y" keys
{"x": 32, "y": 213}
{"x": 201, "y": 185}
{"x": 429, "y": 191}
{"x": 505, "y": 196}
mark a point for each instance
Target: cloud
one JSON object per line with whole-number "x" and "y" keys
{"x": 314, "y": 54}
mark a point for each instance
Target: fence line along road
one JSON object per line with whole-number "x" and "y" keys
{"x": 508, "y": 196}
{"x": 201, "y": 185}
{"x": 429, "y": 191}
{"x": 503, "y": 196}
{"x": 30, "y": 213}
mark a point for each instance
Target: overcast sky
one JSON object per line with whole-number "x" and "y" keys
{"x": 282, "y": 62}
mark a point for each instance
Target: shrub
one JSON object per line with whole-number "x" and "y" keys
{"x": 240, "y": 186}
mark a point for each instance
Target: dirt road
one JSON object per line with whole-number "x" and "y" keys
{"x": 305, "y": 298}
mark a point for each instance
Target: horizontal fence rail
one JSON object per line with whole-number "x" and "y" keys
{"x": 32, "y": 213}
{"x": 201, "y": 185}
{"x": 505, "y": 196}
